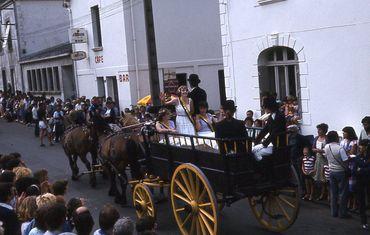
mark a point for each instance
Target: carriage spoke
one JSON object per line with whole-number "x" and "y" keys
{"x": 205, "y": 204}
{"x": 187, "y": 184}
{"x": 181, "y": 197}
{"x": 202, "y": 225}
{"x": 192, "y": 186}
{"x": 202, "y": 195}
{"x": 283, "y": 210}
{"x": 210, "y": 217}
{"x": 180, "y": 209}
{"x": 192, "y": 225}
{"x": 186, "y": 220}
{"x": 183, "y": 190}
{"x": 197, "y": 224}
{"x": 286, "y": 201}
{"x": 197, "y": 188}
{"x": 138, "y": 201}
{"x": 204, "y": 219}
{"x": 138, "y": 194}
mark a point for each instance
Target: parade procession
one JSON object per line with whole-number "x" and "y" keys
{"x": 125, "y": 117}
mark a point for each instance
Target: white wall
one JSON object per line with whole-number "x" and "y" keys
{"x": 183, "y": 44}
{"x": 332, "y": 42}
{"x": 187, "y": 39}
{"x": 114, "y": 47}
{"x": 9, "y": 59}
{"x": 42, "y": 24}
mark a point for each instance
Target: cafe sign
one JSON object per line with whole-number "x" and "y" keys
{"x": 78, "y": 35}
{"x": 78, "y": 55}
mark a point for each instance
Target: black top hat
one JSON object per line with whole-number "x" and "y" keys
{"x": 194, "y": 78}
{"x": 229, "y": 105}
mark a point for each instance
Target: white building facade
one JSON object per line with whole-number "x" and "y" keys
{"x": 187, "y": 38}
{"x": 9, "y": 50}
{"x": 35, "y": 50}
{"x": 317, "y": 51}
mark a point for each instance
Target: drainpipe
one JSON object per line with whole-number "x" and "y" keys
{"x": 135, "y": 47}
{"x": 73, "y": 50}
{"x": 18, "y": 47}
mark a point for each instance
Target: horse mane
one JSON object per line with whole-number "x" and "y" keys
{"x": 128, "y": 120}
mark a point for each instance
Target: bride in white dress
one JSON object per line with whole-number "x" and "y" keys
{"x": 184, "y": 110}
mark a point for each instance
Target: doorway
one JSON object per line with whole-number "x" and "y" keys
{"x": 112, "y": 89}
{"x": 221, "y": 85}
{"x": 3, "y": 74}
{"x": 12, "y": 80}
{"x": 69, "y": 88}
{"x": 181, "y": 79}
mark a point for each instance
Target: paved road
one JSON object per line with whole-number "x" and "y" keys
{"x": 14, "y": 137}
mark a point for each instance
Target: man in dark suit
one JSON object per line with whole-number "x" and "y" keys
{"x": 230, "y": 128}
{"x": 8, "y": 216}
{"x": 196, "y": 93}
{"x": 275, "y": 127}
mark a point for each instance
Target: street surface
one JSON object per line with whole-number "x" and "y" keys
{"x": 14, "y": 137}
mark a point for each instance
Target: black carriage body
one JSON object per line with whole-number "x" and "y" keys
{"x": 231, "y": 175}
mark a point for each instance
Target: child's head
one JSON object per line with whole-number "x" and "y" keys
{"x": 41, "y": 175}
{"x": 362, "y": 146}
{"x": 306, "y": 151}
{"x": 249, "y": 122}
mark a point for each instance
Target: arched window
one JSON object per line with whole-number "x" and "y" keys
{"x": 278, "y": 72}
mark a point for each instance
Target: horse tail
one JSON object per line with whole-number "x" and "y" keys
{"x": 133, "y": 152}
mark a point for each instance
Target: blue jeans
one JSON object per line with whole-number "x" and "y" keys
{"x": 338, "y": 193}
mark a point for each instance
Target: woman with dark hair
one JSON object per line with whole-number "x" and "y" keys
{"x": 365, "y": 133}
{"x": 349, "y": 142}
{"x": 204, "y": 121}
{"x": 318, "y": 149}
{"x": 164, "y": 124}
{"x": 337, "y": 159}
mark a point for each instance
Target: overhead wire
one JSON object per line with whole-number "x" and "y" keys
{"x": 84, "y": 20}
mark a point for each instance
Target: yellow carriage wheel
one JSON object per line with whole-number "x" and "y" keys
{"x": 143, "y": 201}
{"x": 193, "y": 201}
{"x": 277, "y": 210}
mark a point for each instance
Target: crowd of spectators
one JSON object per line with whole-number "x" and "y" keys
{"x": 330, "y": 168}
{"x": 31, "y": 205}
{"x": 338, "y": 170}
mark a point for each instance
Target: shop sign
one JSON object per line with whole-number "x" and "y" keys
{"x": 78, "y": 55}
{"x": 99, "y": 59}
{"x": 170, "y": 82}
{"x": 78, "y": 35}
{"x": 123, "y": 77}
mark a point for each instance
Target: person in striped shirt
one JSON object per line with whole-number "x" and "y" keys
{"x": 308, "y": 169}
{"x": 327, "y": 178}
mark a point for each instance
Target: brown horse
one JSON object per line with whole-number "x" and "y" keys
{"x": 117, "y": 151}
{"x": 77, "y": 142}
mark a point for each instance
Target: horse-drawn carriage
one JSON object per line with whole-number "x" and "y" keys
{"x": 204, "y": 174}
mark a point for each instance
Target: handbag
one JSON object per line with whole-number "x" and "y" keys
{"x": 347, "y": 171}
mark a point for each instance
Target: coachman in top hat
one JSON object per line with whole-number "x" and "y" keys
{"x": 196, "y": 93}
{"x": 275, "y": 127}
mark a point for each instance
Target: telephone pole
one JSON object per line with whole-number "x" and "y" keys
{"x": 152, "y": 53}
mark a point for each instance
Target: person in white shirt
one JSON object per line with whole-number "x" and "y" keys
{"x": 58, "y": 122}
{"x": 35, "y": 118}
{"x": 337, "y": 159}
